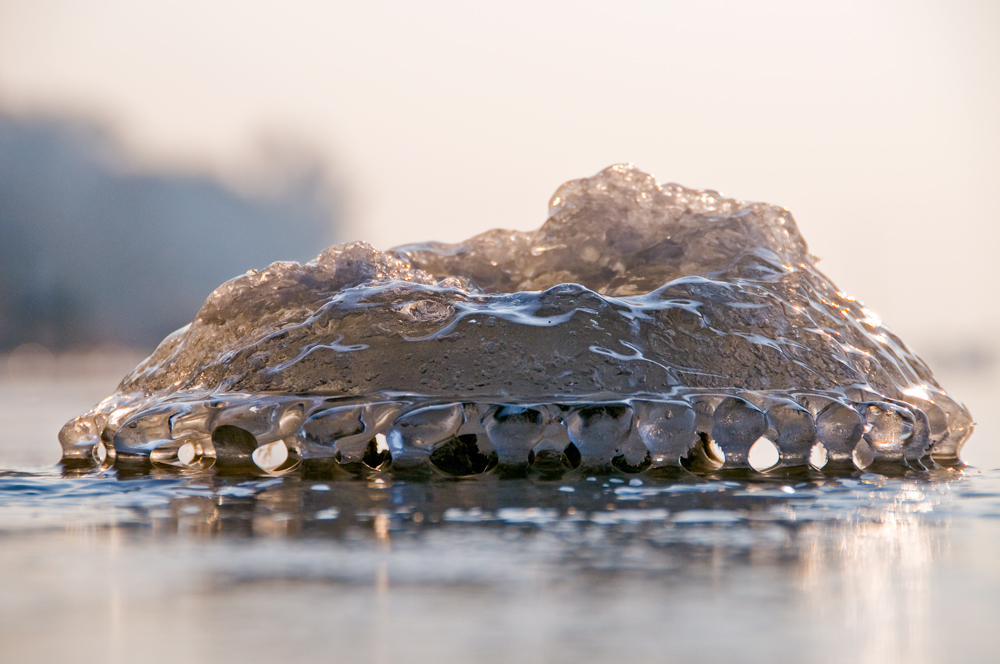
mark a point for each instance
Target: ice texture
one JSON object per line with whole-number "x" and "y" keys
{"x": 643, "y": 326}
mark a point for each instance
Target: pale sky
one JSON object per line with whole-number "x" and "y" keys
{"x": 873, "y": 122}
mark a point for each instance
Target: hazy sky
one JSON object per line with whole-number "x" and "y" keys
{"x": 874, "y": 122}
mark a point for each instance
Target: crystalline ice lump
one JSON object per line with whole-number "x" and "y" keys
{"x": 640, "y": 324}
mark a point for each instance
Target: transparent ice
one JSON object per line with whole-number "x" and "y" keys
{"x": 642, "y": 327}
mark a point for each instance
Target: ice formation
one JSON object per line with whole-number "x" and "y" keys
{"x": 642, "y": 327}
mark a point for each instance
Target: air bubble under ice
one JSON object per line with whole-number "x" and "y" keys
{"x": 643, "y": 327}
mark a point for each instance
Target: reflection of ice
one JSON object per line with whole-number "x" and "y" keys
{"x": 871, "y": 585}
{"x": 734, "y": 571}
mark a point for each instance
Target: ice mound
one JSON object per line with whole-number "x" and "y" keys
{"x": 643, "y": 326}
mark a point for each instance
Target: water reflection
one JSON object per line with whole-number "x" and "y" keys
{"x": 542, "y": 571}
{"x": 809, "y": 522}
{"x": 873, "y": 574}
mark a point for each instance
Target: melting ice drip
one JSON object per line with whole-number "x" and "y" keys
{"x": 643, "y": 326}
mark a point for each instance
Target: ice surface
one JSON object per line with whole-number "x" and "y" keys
{"x": 643, "y": 326}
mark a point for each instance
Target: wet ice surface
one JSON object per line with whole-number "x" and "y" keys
{"x": 213, "y": 569}
{"x": 643, "y": 326}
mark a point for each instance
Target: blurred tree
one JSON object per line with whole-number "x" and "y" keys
{"x": 93, "y": 252}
